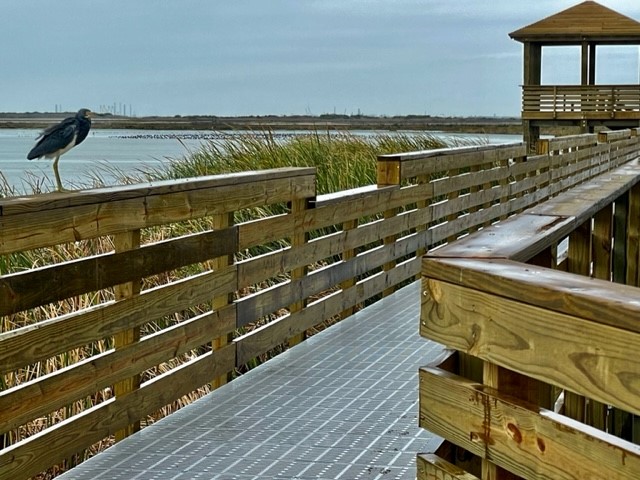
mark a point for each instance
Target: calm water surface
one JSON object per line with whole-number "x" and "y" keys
{"x": 106, "y": 152}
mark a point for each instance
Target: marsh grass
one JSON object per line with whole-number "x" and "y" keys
{"x": 343, "y": 161}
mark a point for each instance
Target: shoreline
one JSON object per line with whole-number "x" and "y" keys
{"x": 498, "y": 125}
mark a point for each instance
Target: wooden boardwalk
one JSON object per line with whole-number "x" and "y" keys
{"x": 342, "y": 405}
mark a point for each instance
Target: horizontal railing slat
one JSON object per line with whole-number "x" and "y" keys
{"x": 556, "y": 348}
{"x": 50, "y": 392}
{"x": 41, "y": 229}
{"x": 520, "y": 437}
{"x": 31, "y": 344}
{"x": 36, "y": 287}
{"x": 265, "y": 338}
{"x": 279, "y": 296}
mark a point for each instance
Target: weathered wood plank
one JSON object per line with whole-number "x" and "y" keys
{"x": 613, "y": 135}
{"x": 40, "y": 286}
{"x": 124, "y": 242}
{"x": 520, "y": 238}
{"x": 432, "y": 467}
{"x": 49, "y": 227}
{"x": 31, "y": 344}
{"x": 364, "y": 206}
{"x": 494, "y": 175}
{"x": 348, "y": 254}
{"x": 546, "y": 288}
{"x": 263, "y": 231}
{"x": 51, "y": 201}
{"x": 620, "y": 224}
{"x": 564, "y": 142}
{"x": 578, "y": 262}
{"x": 31, "y": 400}
{"x": 602, "y": 243}
{"x": 221, "y": 222}
{"x": 298, "y": 238}
{"x": 257, "y": 269}
{"x": 36, "y": 454}
{"x": 587, "y": 199}
{"x": 552, "y": 347}
{"x": 414, "y": 164}
{"x": 520, "y": 437}
{"x": 269, "y": 300}
{"x": 265, "y": 338}
{"x": 633, "y": 237}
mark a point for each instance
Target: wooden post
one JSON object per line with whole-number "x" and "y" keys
{"x": 633, "y": 237}
{"x": 620, "y": 421}
{"x": 633, "y": 270}
{"x": 388, "y": 173}
{"x": 452, "y": 196}
{"x": 509, "y": 383}
{"x": 579, "y": 262}
{"x": 601, "y": 254}
{"x": 220, "y": 222}
{"x": 346, "y": 256}
{"x": 123, "y": 242}
{"x": 602, "y": 246}
{"x": 422, "y": 205}
{"x": 531, "y": 135}
{"x": 389, "y": 241}
{"x": 621, "y": 207}
{"x": 299, "y": 238}
{"x": 545, "y": 258}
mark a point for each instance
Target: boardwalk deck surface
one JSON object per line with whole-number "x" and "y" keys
{"x": 342, "y": 405}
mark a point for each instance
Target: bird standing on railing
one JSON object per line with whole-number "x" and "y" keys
{"x": 59, "y": 139}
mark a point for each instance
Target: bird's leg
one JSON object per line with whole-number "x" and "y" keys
{"x": 55, "y": 170}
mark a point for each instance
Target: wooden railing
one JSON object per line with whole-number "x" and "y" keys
{"x": 118, "y": 302}
{"x": 580, "y": 102}
{"x": 542, "y": 379}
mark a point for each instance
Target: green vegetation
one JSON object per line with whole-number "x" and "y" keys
{"x": 343, "y": 160}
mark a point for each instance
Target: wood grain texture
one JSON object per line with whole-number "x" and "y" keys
{"x": 432, "y": 467}
{"x": 40, "y": 286}
{"x": 546, "y": 288}
{"x": 572, "y": 353}
{"x": 50, "y": 227}
{"x": 269, "y": 300}
{"x": 126, "y": 242}
{"x": 519, "y": 238}
{"x": 265, "y": 338}
{"x": 531, "y": 442}
{"x": 31, "y": 344}
{"x": 34, "y": 399}
{"x": 586, "y": 21}
{"x": 53, "y": 201}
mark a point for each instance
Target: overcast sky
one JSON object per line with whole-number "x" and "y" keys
{"x": 258, "y": 57}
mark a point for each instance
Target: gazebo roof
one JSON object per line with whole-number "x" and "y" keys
{"x": 587, "y": 21}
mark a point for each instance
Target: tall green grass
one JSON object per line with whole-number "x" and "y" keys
{"x": 343, "y": 160}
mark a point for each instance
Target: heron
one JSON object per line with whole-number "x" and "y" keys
{"x": 59, "y": 139}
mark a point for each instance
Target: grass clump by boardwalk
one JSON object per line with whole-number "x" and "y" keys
{"x": 343, "y": 160}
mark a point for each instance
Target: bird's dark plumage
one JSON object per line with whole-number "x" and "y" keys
{"x": 60, "y": 138}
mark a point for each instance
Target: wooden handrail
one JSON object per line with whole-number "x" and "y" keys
{"x": 581, "y": 101}
{"x": 539, "y": 329}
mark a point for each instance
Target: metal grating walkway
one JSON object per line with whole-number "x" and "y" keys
{"x": 342, "y": 405}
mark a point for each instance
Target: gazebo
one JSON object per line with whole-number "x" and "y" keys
{"x": 587, "y": 105}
